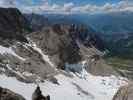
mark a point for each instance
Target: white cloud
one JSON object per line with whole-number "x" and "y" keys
{"x": 7, "y": 3}
{"x": 68, "y": 8}
{"x": 106, "y": 8}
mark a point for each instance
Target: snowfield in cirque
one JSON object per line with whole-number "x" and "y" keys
{"x": 87, "y": 87}
{"x": 69, "y": 86}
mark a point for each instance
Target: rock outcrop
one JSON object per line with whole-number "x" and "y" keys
{"x": 58, "y": 44}
{"x": 13, "y": 25}
{"x": 124, "y": 93}
{"x": 60, "y": 41}
{"x": 6, "y": 94}
{"x": 86, "y": 35}
{"x": 37, "y": 95}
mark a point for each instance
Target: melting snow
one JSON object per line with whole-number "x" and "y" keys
{"x": 83, "y": 86}
{"x": 4, "y": 50}
{"x": 95, "y": 88}
{"x": 45, "y": 57}
{"x": 88, "y": 88}
{"x": 16, "y": 72}
{"x": 27, "y": 73}
{"x": 23, "y": 89}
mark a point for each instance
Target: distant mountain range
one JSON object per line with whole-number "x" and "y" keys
{"x": 115, "y": 29}
{"x": 37, "y": 21}
{"x": 105, "y": 23}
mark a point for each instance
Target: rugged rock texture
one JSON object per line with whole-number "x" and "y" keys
{"x": 95, "y": 63}
{"x": 86, "y": 35}
{"x": 13, "y": 24}
{"x": 62, "y": 40}
{"x": 58, "y": 44}
{"x": 37, "y": 95}
{"x": 32, "y": 63}
{"x": 124, "y": 93}
{"x": 6, "y": 94}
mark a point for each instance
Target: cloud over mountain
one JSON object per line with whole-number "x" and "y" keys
{"x": 7, "y": 3}
{"x": 43, "y": 6}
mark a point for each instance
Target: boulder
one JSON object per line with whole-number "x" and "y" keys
{"x": 6, "y": 94}
{"x": 37, "y": 95}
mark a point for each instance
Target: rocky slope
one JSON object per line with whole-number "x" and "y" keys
{"x": 6, "y": 94}
{"x": 13, "y": 24}
{"x": 56, "y": 57}
{"x": 124, "y": 93}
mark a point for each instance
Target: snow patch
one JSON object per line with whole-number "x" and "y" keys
{"x": 2, "y": 69}
{"x": 23, "y": 89}
{"x": 4, "y": 50}
{"x": 27, "y": 74}
{"x": 88, "y": 88}
{"x": 45, "y": 57}
{"x": 16, "y": 72}
{"x": 82, "y": 86}
{"x": 92, "y": 85}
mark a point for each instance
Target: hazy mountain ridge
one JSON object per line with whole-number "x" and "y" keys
{"x": 106, "y": 23}
{"x": 37, "y": 21}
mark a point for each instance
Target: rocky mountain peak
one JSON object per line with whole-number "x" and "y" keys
{"x": 13, "y": 25}
{"x": 82, "y": 33}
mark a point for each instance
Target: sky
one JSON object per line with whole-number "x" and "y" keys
{"x": 69, "y": 6}
{"x": 83, "y": 2}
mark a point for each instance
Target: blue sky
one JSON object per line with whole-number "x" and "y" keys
{"x": 70, "y": 6}
{"x": 61, "y": 2}
{"x": 82, "y": 2}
